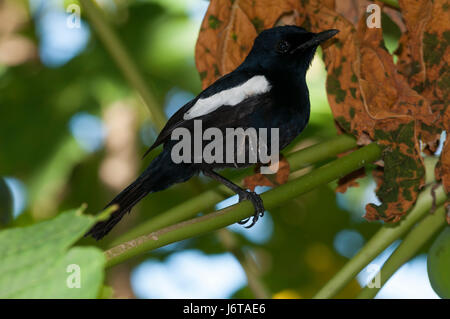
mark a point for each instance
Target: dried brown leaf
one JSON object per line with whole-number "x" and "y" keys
{"x": 367, "y": 94}
{"x": 424, "y": 57}
{"x": 229, "y": 29}
{"x": 272, "y": 180}
{"x": 350, "y": 180}
{"x": 370, "y": 99}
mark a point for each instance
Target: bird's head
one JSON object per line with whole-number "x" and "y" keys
{"x": 286, "y": 48}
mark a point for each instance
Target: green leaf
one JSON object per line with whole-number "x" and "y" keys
{"x": 106, "y": 292}
{"x": 37, "y": 261}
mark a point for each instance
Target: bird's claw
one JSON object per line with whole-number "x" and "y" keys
{"x": 257, "y": 204}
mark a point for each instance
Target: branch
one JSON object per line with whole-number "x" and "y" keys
{"x": 122, "y": 59}
{"x": 189, "y": 209}
{"x": 238, "y": 212}
{"x": 380, "y": 241}
{"x": 408, "y": 248}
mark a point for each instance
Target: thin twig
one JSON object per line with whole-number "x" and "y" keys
{"x": 120, "y": 55}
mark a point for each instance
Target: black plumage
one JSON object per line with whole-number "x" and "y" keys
{"x": 276, "y": 66}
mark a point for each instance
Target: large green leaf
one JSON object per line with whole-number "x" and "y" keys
{"x": 37, "y": 261}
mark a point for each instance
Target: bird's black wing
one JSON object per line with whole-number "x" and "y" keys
{"x": 174, "y": 121}
{"x": 227, "y": 81}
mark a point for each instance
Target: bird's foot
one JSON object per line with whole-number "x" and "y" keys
{"x": 257, "y": 204}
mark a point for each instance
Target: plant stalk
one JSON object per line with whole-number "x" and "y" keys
{"x": 123, "y": 60}
{"x": 230, "y": 215}
{"x": 408, "y": 248}
{"x": 190, "y": 208}
{"x": 380, "y": 241}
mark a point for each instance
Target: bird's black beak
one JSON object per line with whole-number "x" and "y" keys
{"x": 325, "y": 35}
{"x": 316, "y": 40}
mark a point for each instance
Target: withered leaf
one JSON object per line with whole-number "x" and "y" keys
{"x": 272, "y": 180}
{"x": 350, "y": 180}
{"x": 403, "y": 172}
{"x": 229, "y": 29}
{"x": 368, "y": 97}
{"x": 395, "y": 105}
{"x": 352, "y": 10}
{"x": 424, "y": 57}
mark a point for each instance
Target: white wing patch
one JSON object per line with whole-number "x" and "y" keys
{"x": 254, "y": 86}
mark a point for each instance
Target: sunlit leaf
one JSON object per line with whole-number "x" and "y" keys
{"x": 37, "y": 261}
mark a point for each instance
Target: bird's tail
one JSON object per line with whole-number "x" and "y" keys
{"x": 160, "y": 174}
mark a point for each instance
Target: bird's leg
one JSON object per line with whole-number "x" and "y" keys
{"x": 243, "y": 195}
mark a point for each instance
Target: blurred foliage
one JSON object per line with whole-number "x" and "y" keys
{"x": 6, "y": 204}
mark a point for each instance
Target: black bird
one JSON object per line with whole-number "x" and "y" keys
{"x": 268, "y": 90}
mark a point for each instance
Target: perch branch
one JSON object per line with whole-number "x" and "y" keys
{"x": 230, "y": 215}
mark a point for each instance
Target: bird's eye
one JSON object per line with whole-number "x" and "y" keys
{"x": 283, "y": 46}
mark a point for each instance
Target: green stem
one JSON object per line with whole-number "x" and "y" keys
{"x": 208, "y": 199}
{"x": 122, "y": 59}
{"x": 321, "y": 151}
{"x": 380, "y": 241}
{"x": 408, "y": 248}
{"x": 230, "y": 215}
